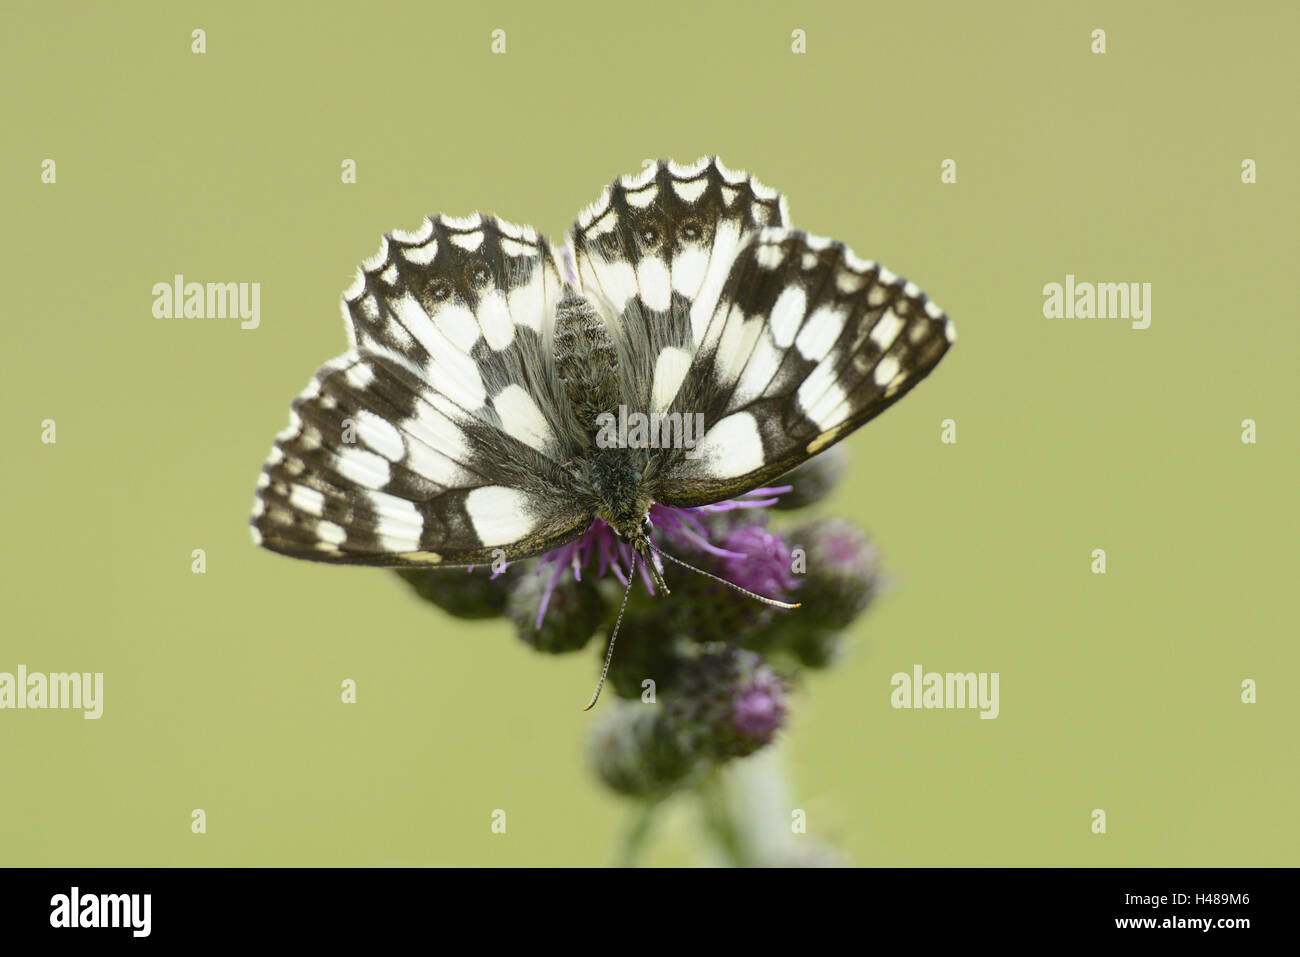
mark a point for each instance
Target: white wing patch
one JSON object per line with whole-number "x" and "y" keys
{"x": 886, "y": 329}
{"x": 437, "y": 466}
{"x": 690, "y": 267}
{"x": 732, "y": 447}
{"x": 399, "y": 524}
{"x": 769, "y": 257}
{"x": 494, "y": 319}
{"x": 379, "y": 434}
{"x": 457, "y": 322}
{"x": 885, "y": 371}
{"x": 616, "y": 282}
{"x": 670, "y": 369}
{"x": 787, "y": 314}
{"x": 522, "y": 419}
{"x": 726, "y": 244}
{"x": 307, "y": 499}
{"x": 821, "y": 397}
{"x": 524, "y": 299}
{"x": 653, "y": 283}
{"x": 366, "y": 469}
{"x": 499, "y": 514}
{"x": 359, "y": 377}
{"x": 820, "y": 333}
{"x": 468, "y": 241}
{"x": 642, "y": 198}
{"x": 690, "y": 191}
{"x": 738, "y": 336}
{"x": 421, "y": 255}
{"x": 330, "y": 533}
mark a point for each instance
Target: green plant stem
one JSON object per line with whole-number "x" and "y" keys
{"x": 641, "y": 820}
{"x": 721, "y": 821}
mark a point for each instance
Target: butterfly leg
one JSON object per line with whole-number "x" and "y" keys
{"x": 642, "y": 547}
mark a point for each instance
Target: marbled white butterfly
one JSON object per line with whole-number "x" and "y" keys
{"x": 461, "y": 425}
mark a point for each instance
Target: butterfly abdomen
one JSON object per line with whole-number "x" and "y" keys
{"x": 585, "y": 360}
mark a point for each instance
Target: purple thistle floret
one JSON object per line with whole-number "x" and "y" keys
{"x": 679, "y": 526}
{"x": 759, "y": 560}
{"x": 759, "y": 709}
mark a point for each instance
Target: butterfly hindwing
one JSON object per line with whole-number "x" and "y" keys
{"x": 654, "y": 252}
{"x": 806, "y": 343}
{"x": 470, "y": 304}
{"x": 440, "y": 438}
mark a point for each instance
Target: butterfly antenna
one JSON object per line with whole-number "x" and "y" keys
{"x": 609, "y": 653}
{"x": 744, "y": 591}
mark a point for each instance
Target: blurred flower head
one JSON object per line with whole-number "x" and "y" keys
{"x": 704, "y": 676}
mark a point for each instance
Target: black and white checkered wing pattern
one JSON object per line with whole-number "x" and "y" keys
{"x": 654, "y": 253}
{"x": 805, "y": 343}
{"x": 440, "y": 437}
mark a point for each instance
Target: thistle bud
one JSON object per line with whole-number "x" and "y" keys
{"x": 636, "y": 753}
{"x": 475, "y": 594}
{"x": 647, "y": 646}
{"x": 815, "y": 479}
{"x": 816, "y": 647}
{"x": 842, "y": 573}
{"x": 556, "y": 619}
{"x": 723, "y": 703}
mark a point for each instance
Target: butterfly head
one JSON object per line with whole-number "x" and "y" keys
{"x": 636, "y": 532}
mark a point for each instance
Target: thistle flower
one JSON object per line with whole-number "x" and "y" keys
{"x": 724, "y": 703}
{"x": 577, "y": 612}
{"x": 598, "y": 553}
{"x": 759, "y": 560}
{"x": 601, "y": 552}
{"x": 841, "y": 576}
{"x": 729, "y": 700}
{"x": 753, "y": 557}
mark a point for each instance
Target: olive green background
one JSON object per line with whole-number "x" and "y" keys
{"x": 1119, "y": 692}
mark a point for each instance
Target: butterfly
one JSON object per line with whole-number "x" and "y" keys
{"x": 464, "y": 423}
